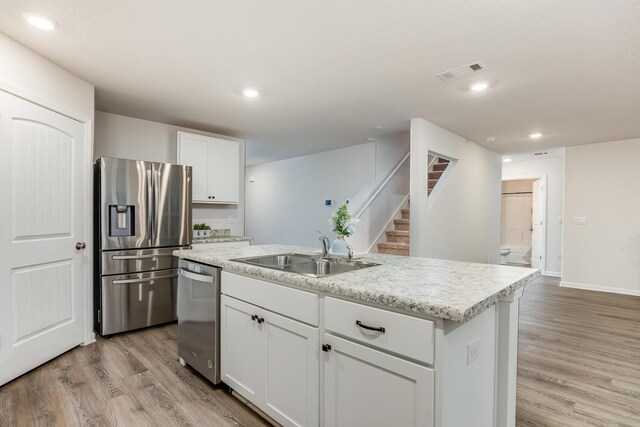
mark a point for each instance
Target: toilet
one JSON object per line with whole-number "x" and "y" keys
{"x": 503, "y": 255}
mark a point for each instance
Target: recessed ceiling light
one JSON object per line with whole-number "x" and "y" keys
{"x": 479, "y": 87}
{"x": 507, "y": 160}
{"x": 490, "y": 138}
{"x": 39, "y": 21}
{"x": 535, "y": 135}
{"x": 250, "y": 92}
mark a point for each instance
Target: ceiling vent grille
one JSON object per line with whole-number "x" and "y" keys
{"x": 463, "y": 71}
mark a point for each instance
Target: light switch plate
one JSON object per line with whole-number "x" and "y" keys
{"x": 580, "y": 220}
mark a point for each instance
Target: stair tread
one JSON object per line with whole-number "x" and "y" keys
{"x": 393, "y": 245}
{"x": 403, "y": 233}
{"x": 404, "y": 211}
{"x": 401, "y": 221}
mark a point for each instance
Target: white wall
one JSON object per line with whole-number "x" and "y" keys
{"x": 461, "y": 218}
{"x": 285, "y": 203}
{"x": 130, "y": 138}
{"x": 601, "y": 184}
{"x": 553, "y": 168}
{"x": 51, "y": 85}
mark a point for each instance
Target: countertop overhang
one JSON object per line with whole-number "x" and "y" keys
{"x": 452, "y": 290}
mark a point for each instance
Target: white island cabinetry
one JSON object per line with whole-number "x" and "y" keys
{"x": 412, "y": 342}
{"x": 364, "y": 386}
{"x": 270, "y": 359}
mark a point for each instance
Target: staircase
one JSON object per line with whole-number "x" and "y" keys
{"x": 398, "y": 239}
{"x": 436, "y": 168}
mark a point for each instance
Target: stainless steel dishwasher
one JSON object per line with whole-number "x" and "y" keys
{"x": 199, "y": 318}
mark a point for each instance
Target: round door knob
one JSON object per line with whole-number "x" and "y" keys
{"x": 80, "y": 246}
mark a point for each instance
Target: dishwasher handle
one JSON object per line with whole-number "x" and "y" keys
{"x": 195, "y": 276}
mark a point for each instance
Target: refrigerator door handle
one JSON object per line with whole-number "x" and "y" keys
{"x": 156, "y": 197}
{"x": 148, "y": 279}
{"x": 150, "y": 209}
{"x": 125, "y": 257}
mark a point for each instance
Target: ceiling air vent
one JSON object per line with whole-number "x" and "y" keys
{"x": 465, "y": 70}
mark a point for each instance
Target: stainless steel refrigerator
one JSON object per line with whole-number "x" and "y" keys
{"x": 142, "y": 213}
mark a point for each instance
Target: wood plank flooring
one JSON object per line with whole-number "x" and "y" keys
{"x": 578, "y": 365}
{"x": 579, "y": 357}
{"x": 132, "y": 379}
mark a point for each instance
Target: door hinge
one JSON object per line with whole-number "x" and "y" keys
{"x": 326, "y": 347}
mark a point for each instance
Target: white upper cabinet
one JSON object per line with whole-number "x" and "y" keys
{"x": 216, "y": 167}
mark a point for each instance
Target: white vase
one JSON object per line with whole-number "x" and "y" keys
{"x": 339, "y": 245}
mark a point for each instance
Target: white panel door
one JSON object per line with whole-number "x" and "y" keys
{"x": 516, "y": 225}
{"x": 536, "y": 224}
{"x": 292, "y": 369}
{"x": 42, "y": 289}
{"x": 224, "y": 161}
{"x": 365, "y": 387}
{"x": 241, "y": 348}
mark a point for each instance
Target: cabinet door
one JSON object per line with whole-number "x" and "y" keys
{"x": 224, "y": 163}
{"x": 242, "y": 349}
{"x": 365, "y": 387}
{"x": 193, "y": 151}
{"x": 292, "y": 371}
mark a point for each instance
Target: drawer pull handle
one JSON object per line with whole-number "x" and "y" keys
{"x": 326, "y": 347}
{"x": 370, "y": 328}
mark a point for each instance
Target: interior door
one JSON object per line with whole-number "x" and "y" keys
{"x": 536, "y": 224}
{"x": 43, "y": 175}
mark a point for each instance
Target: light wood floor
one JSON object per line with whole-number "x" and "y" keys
{"x": 579, "y": 357}
{"x": 578, "y": 365}
{"x": 132, "y": 379}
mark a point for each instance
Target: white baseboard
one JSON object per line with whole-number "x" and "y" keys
{"x": 600, "y": 288}
{"x": 552, "y": 273}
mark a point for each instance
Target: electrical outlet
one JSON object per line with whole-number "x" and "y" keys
{"x": 473, "y": 351}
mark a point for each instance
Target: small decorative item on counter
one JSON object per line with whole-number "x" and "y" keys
{"x": 201, "y": 230}
{"x": 342, "y": 223}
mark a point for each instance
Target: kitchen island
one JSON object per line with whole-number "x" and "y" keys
{"x": 413, "y": 341}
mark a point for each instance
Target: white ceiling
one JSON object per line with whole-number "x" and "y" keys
{"x": 331, "y": 71}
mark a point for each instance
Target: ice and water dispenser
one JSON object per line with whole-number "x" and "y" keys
{"x": 121, "y": 220}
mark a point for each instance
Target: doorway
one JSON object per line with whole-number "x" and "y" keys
{"x": 523, "y": 221}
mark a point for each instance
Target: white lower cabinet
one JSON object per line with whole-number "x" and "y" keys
{"x": 366, "y": 387}
{"x": 271, "y": 360}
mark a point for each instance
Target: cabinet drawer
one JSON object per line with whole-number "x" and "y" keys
{"x": 299, "y": 305}
{"x": 404, "y": 335}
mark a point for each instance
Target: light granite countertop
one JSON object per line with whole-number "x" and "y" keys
{"x": 219, "y": 239}
{"x": 451, "y": 290}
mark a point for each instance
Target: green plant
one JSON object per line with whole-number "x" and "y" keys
{"x": 342, "y": 221}
{"x": 206, "y": 227}
{"x": 201, "y": 227}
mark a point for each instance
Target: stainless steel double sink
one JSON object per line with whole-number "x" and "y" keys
{"x": 306, "y": 265}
